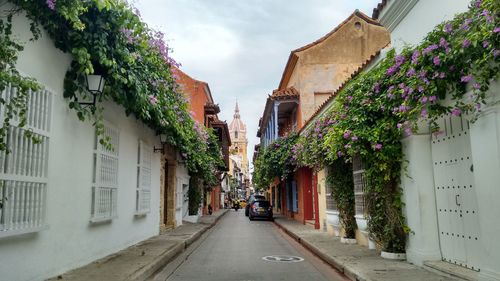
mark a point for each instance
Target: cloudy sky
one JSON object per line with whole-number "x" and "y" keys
{"x": 240, "y": 47}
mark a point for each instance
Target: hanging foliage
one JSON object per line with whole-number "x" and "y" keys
{"x": 341, "y": 183}
{"x": 108, "y": 37}
{"x": 456, "y": 61}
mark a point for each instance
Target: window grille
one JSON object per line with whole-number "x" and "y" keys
{"x": 105, "y": 178}
{"x": 359, "y": 185}
{"x": 23, "y": 171}
{"x": 331, "y": 205}
{"x": 143, "y": 194}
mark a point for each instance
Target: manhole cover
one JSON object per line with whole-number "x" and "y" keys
{"x": 283, "y": 258}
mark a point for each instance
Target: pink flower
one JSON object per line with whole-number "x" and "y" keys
{"x": 456, "y": 112}
{"x": 378, "y": 146}
{"x": 347, "y": 146}
{"x": 436, "y": 60}
{"x": 466, "y": 43}
{"x": 448, "y": 28}
{"x": 466, "y": 78}
{"x": 496, "y": 29}
{"x": 399, "y": 125}
{"x": 339, "y": 154}
{"x": 423, "y": 113}
{"x": 153, "y": 100}
{"x": 476, "y": 86}
{"x": 408, "y": 131}
{"x": 51, "y": 4}
{"x": 347, "y": 134}
{"x": 432, "y": 98}
{"x": 486, "y": 44}
{"x": 424, "y": 100}
{"x": 354, "y": 138}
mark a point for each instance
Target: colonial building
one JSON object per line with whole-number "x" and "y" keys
{"x": 238, "y": 149}
{"x": 204, "y": 111}
{"x": 311, "y": 76}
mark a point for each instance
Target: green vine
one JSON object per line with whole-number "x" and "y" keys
{"x": 15, "y": 108}
{"x": 195, "y": 196}
{"x": 456, "y": 61}
{"x": 274, "y": 161}
{"x": 108, "y": 37}
{"x": 341, "y": 182}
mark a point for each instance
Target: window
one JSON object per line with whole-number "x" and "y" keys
{"x": 23, "y": 171}
{"x": 236, "y": 134}
{"x": 105, "y": 179}
{"x": 331, "y": 205}
{"x": 359, "y": 185}
{"x": 143, "y": 193}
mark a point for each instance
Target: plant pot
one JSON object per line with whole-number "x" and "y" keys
{"x": 393, "y": 256}
{"x": 350, "y": 241}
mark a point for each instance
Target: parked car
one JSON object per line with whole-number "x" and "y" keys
{"x": 260, "y": 209}
{"x": 251, "y": 199}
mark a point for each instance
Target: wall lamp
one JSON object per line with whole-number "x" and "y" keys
{"x": 95, "y": 86}
{"x": 163, "y": 141}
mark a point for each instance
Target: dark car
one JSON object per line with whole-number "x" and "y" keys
{"x": 251, "y": 199}
{"x": 260, "y": 209}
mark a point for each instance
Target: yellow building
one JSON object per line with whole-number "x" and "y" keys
{"x": 238, "y": 148}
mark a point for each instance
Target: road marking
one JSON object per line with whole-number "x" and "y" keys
{"x": 283, "y": 258}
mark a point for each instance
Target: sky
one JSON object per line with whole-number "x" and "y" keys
{"x": 240, "y": 47}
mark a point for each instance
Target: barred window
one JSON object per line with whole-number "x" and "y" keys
{"x": 23, "y": 171}
{"x": 105, "y": 178}
{"x": 331, "y": 205}
{"x": 359, "y": 185}
{"x": 143, "y": 193}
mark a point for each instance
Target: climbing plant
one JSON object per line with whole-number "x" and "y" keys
{"x": 341, "y": 182}
{"x": 108, "y": 37}
{"x": 274, "y": 161}
{"x": 456, "y": 61}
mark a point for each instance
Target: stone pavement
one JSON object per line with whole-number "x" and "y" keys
{"x": 140, "y": 261}
{"x": 356, "y": 262}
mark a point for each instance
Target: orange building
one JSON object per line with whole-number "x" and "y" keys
{"x": 204, "y": 111}
{"x": 311, "y": 76}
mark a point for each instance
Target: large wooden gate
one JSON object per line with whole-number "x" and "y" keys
{"x": 455, "y": 193}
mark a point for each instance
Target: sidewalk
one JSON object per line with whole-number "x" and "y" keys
{"x": 357, "y": 262}
{"x": 140, "y": 261}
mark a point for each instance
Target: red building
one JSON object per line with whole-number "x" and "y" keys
{"x": 204, "y": 111}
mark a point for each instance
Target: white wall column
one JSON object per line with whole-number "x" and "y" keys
{"x": 485, "y": 145}
{"x": 420, "y": 199}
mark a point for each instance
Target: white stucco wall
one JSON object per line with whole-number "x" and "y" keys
{"x": 421, "y": 19}
{"x": 71, "y": 241}
{"x": 417, "y": 181}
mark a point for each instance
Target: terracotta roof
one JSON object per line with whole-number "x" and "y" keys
{"x": 293, "y": 58}
{"x": 285, "y": 94}
{"x": 332, "y": 97}
{"x": 377, "y": 10}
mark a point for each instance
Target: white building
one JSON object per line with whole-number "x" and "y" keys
{"x": 451, "y": 191}
{"x": 69, "y": 201}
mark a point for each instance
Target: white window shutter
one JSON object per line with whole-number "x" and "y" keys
{"x": 105, "y": 179}
{"x": 143, "y": 194}
{"x": 23, "y": 171}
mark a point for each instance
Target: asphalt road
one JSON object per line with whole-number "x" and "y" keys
{"x": 234, "y": 250}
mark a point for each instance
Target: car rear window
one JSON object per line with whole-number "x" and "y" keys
{"x": 262, "y": 204}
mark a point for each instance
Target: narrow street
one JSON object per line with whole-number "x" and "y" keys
{"x": 235, "y": 249}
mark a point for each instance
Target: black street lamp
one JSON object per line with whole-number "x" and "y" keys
{"x": 163, "y": 141}
{"x": 95, "y": 86}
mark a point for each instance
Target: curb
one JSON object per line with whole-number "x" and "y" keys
{"x": 347, "y": 271}
{"x": 148, "y": 270}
